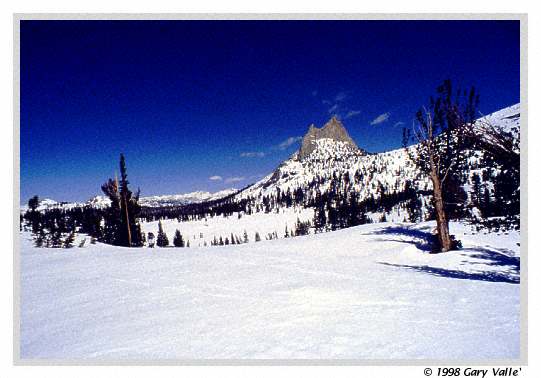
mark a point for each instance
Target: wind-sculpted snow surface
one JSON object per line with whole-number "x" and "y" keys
{"x": 367, "y": 292}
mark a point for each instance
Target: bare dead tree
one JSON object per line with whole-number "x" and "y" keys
{"x": 440, "y": 146}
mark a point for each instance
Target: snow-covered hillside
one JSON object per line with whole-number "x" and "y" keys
{"x": 367, "y": 292}
{"x": 367, "y": 171}
{"x": 182, "y": 199}
{"x": 367, "y": 175}
{"x": 390, "y": 169}
{"x": 507, "y": 119}
{"x": 202, "y": 232}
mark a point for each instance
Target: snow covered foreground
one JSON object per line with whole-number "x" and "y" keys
{"x": 365, "y": 292}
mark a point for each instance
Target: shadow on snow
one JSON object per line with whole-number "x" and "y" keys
{"x": 421, "y": 238}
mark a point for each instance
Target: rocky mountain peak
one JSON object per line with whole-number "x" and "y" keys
{"x": 333, "y": 129}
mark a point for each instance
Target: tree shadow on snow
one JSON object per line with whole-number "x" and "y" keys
{"x": 496, "y": 257}
{"x": 449, "y": 273}
{"x": 419, "y": 237}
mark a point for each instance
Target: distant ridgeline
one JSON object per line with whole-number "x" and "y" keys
{"x": 346, "y": 186}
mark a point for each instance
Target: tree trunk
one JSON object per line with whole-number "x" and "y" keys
{"x": 127, "y": 220}
{"x": 442, "y": 224}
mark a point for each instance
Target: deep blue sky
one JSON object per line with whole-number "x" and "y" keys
{"x": 188, "y": 100}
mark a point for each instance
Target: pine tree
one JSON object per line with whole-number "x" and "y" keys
{"x": 112, "y": 218}
{"x": 507, "y": 195}
{"x": 40, "y": 238}
{"x": 125, "y": 197}
{"x": 477, "y": 191}
{"x": 143, "y": 237}
{"x": 34, "y": 216}
{"x": 56, "y": 238}
{"x": 33, "y": 203}
{"x": 70, "y": 239}
{"x": 320, "y": 218}
{"x": 485, "y": 204}
{"x": 178, "y": 241}
{"x": 332, "y": 216}
{"x": 161, "y": 238}
{"x": 130, "y": 209}
{"x": 138, "y": 236}
{"x": 151, "y": 240}
{"x": 302, "y": 228}
{"x": 414, "y": 209}
{"x": 121, "y": 227}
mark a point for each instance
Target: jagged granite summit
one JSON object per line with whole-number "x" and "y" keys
{"x": 331, "y": 130}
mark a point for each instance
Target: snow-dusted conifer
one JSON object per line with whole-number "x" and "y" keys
{"x": 161, "y": 238}
{"x": 178, "y": 241}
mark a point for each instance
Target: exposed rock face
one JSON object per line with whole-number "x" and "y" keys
{"x": 332, "y": 130}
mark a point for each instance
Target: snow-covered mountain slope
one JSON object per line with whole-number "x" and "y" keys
{"x": 508, "y": 119}
{"x": 389, "y": 171}
{"x": 366, "y": 292}
{"x": 182, "y": 199}
{"x": 368, "y": 175}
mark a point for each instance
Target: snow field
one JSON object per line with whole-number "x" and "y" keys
{"x": 367, "y": 292}
{"x": 263, "y": 223}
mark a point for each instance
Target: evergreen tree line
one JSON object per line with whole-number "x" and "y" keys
{"x": 300, "y": 228}
{"x": 493, "y": 192}
{"x": 195, "y": 211}
{"x": 52, "y": 228}
{"x": 117, "y": 224}
{"x": 493, "y": 179}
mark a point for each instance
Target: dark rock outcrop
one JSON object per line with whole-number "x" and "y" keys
{"x": 333, "y": 130}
